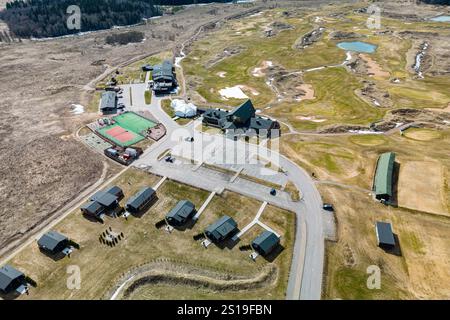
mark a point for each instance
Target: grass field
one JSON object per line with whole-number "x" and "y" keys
{"x": 337, "y": 101}
{"x": 102, "y": 266}
{"x": 420, "y": 271}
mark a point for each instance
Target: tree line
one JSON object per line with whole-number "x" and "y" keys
{"x": 48, "y": 18}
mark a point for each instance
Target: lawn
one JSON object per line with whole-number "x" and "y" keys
{"x": 102, "y": 266}
{"x": 419, "y": 272}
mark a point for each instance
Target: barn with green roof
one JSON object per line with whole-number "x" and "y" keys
{"x": 384, "y": 177}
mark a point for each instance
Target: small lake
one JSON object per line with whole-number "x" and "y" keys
{"x": 441, "y": 19}
{"x": 357, "y": 46}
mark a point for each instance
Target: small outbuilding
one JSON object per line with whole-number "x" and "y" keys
{"x": 384, "y": 177}
{"x": 222, "y": 229}
{"x": 53, "y": 242}
{"x": 385, "y": 235}
{"x": 265, "y": 243}
{"x": 181, "y": 213}
{"x": 140, "y": 200}
{"x": 11, "y": 279}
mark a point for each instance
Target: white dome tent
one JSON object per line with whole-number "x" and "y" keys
{"x": 183, "y": 109}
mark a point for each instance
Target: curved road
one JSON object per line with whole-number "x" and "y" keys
{"x": 305, "y": 278}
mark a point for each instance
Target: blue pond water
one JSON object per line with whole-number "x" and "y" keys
{"x": 357, "y": 46}
{"x": 441, "y": 19}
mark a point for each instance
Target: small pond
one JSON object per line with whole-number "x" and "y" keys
{"x": 357, "y": 46}
{"x": 441, "y": 19}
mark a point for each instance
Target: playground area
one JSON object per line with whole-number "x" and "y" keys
{"x": 126, "y": 129}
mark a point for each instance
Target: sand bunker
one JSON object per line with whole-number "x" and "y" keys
{"x": 249, "y": 89}
{"x": 308, "y": 92}
{"x": 233, "y": 93}
{"x": 310, "y": 118}
{"x": 373, "y": 68}
{"x": 447, "y": 109}
{"x": 259, "y": 71}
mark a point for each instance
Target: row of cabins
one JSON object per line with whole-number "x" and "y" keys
{"x": 106, "y": 202}
{"x": 226, "y": 227}
{"x": 240, "y": 120}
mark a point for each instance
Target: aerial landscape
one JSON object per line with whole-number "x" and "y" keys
{"x": 225, "y": 150}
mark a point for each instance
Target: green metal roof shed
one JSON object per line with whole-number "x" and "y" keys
{"x": 384, "y": 176}
{"x": 221, "y": 229}
{"x": 265, "y": 242}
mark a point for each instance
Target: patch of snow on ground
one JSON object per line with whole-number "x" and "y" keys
{"x": 77, "y": 109}
{"x": 233, "y": 92}
{"x": 313, "y": 119}
{"x": 365, "y": 132}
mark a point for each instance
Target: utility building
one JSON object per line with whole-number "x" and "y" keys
{"x": 222, "y": 229}
{"x": 53, "y": 242}
{"x": 108, "y": 104}
{"x": 140, "y": 200}
{"x": 181, "y": 213}
{"x": 385, "y": 235}
{"x": 11, "y": 280}
{"x": 265, "y": 243}
{"x": 384, "y": 176}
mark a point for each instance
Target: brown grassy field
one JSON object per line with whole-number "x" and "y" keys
{"x": 421, "y": 186}
{"x": 420, "y": 272}
{"x": 102, "y": 266}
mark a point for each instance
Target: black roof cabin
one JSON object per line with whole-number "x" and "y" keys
{"x": 385, "y": 235}
{"x": 10, "y": 279}
{"x": 181, "y": 213}
{"x": 53, "y": 242}
{"x": 140, "y": 200}
{"x": 102, "y": 202}
{"x": 222, "y": 229}
{"x": 265, "y": 243}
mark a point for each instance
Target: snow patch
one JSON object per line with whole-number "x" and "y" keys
{"x": 76, "y": 109}
{"x": 233, "y": 92}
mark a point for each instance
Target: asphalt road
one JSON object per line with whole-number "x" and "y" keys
{"x": 305, "y": 278}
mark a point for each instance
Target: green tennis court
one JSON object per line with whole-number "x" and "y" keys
{"x": 134, "y": 122}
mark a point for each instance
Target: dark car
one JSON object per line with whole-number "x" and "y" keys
{"x": 328, "y": 207}
{"x": 273, "y": 192}
{"x": 169, "y": 159}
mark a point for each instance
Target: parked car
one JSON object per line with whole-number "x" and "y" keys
{"x": 189, "y": 139}
{"x": 273, "y": 192}
{"x": 328, "y": 207}
{"x": 169, "y": 159}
